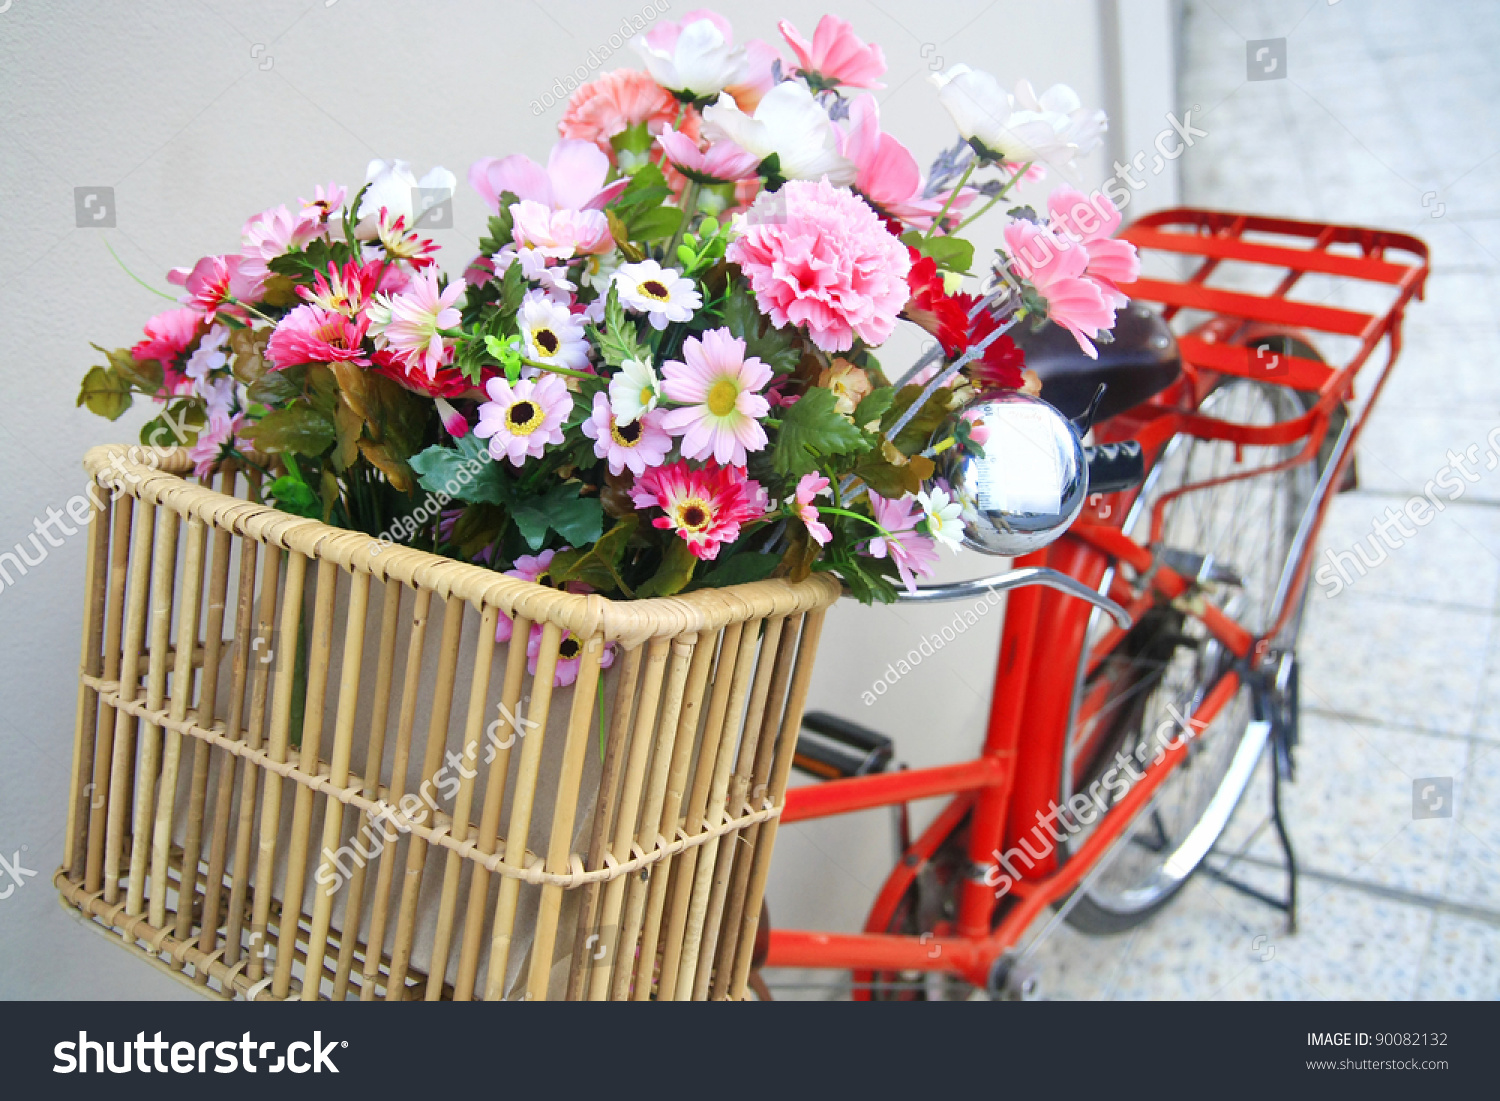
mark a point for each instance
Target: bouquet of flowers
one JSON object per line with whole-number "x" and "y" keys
{"x": 659, "y": 372}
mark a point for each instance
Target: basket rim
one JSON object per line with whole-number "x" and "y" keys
{"x": 629, "y": 622}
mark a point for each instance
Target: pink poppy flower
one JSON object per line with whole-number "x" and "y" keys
{"x": 760, "y": 75}
{"x": 705, "y": 507}
{"x": 168, "y": 335}
{"x": 1093, "y": 221}
{"x": 213, "y": 282}
{"x": 311, "y": 334}
{"x": 560, "y": 234}
{"x": 887, "y": 172}
{"x": 569, "y": 656}
{"x": 821, "y": 258}
{"x": 914, "y": 555}
{"x": 810, "y": 487}
{"x": 836, "y": 55}
{"x": 638, "y": 445}
{"x": 613, "y": 103}
{"x": 273, "y": 233}
{"x": 418, "y": 316}
{"x": 721, "y": 162}
{"x": 721, "y": 390}
{"x": 573, "y": 179}
{"x": 521, "y": 420}
{"x": 1055, "y": 267}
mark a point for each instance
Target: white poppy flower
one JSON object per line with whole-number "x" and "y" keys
{"x": 392, "y": 185}
{"x": 699, "y": 61}
{"x": 1053, "y": 128}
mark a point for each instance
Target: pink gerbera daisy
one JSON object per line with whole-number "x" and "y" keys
{"x": 640, "y": 444}
{"x": 914, "y": 555}
{"x": 721, "y": 390}
{"x": 810, "y": 487}
{"x": 521, "y": 420}
{"x": 418, "y": 316}
{"x": 569, "y": 656}
{"x": 311, "y": 334}
{"x": 168, "y": 335}
{"x": 533, "y": 567}
{"x": 705, "y": 507}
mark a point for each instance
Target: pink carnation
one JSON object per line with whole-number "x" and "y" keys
{"x": 817, "y": 256}
{"x": 614, "y": 103}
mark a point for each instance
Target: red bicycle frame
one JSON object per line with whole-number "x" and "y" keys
{"x": 1009, "y": 787}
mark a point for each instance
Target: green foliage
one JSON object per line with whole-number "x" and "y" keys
{"x": 579, "y": 520}
{"x": 674, "y": 573}
{"x": 867, "y": 579}
{"x": 918, "y": 433}
{"x": 812, "y": 429}
{"x": 297, "y": 428}
{"x": 500, "y": 226}
{"x": 620, "y": 339}
{"x": 292, "y": 494}
{"x": 464, "y": 471}
{"x": 599, "y": 565}
{"x": 776, "y": 348}
{"x": 702, "y": 250}
{"x": 739, "y": 569}
{"x": 105, "y": 393}
{"x": 951, "y": 253}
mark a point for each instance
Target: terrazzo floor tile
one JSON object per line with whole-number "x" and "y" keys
{"x": 1462, "y": 960}
{"x": 1394, "y": 662}
{"x": 1474, "y": 867}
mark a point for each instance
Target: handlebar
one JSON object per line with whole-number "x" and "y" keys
{"x": 1015, "y": 579}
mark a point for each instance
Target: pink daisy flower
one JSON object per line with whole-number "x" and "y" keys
{"x": 810, "y": 487}
{"x": 417, "y": 316}
{"x": 347, "y": 291}
{"x": 640, "y": 444}
{"x": 705, "y": 507}
{"x": 721, "y": 389}
{"x": 274, "y": 233}
{"x": 915, "y": 555}
{"x": 310, "y": 334}
{"x": 521, "y": 420}
{"x": 168, "y": 335}
{"x": 819, "y": 257}
{"x": 214, "y": 439}
{"x": 533, "y": 567}
{"x": 569, "y": 656}
{"x": 214, "y": 281}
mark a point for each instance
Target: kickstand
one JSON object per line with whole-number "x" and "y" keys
{"x": 1276, "y": 702}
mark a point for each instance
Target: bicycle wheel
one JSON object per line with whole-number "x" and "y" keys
{"x": 1166, "y": 664}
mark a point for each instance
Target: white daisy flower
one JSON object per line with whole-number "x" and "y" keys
{"x": 634, "y": 392}
{"x": 944, "y": 518}
{"x": 553, "y": 335}
{"x": 662, "y": 294}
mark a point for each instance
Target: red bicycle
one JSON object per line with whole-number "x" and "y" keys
{"x": 1163, "y": 686}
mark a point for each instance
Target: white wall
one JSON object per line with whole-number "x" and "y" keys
{"x": 201, "y": 113}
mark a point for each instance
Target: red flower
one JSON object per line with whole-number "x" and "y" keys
{"x": 448, "y": 382}
{"x": 946, "y": 316}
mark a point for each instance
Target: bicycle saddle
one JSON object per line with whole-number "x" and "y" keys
{"x": 1142, "y": 360}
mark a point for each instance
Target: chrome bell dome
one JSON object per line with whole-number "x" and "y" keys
{"x": 1031, "y": 481}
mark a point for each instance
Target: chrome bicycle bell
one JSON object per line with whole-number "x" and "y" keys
{"x": 1031, "y": 481}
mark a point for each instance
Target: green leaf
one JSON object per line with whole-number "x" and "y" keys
{"x": 464, "y": 471}
{"x": 276, "y": 388}
{"x": 874, "y": 406}
{"x": 599, "y": 564}
{"x": 295, "y": 496}
{"x": 579, "y": 520}
{"x": 145, "y": 375}
{"x": 647, "y": 187}
{"x": 500, "y": 226}
{"x": 512, "y": 290}
{"x": 739, "y": 569}
{"x": 298, "y": 428}
{"x": 655, "y": 224}
{"x": 918, "y": 433}
{"x": 951, "y": 253}
{"x": 812, "y": 428}
{"x": 861, "y": 577}
{"x": 674, "y": 573}
{"x": 776, "y": 348}
{"x": 105, "y": 393}
{"x": 619, "y": 340}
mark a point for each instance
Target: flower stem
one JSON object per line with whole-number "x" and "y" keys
{"x": 855, "y": 516}
{"x": 136, "y": 277}
{"x": 948, "y": 202}
{"x": 689, "y": 208}
{"x": 1004, "y": 191}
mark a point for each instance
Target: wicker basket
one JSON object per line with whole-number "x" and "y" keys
{"x": 237, "y": 822}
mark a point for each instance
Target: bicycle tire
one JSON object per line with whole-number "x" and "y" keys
{"x": 1208, "y": 786}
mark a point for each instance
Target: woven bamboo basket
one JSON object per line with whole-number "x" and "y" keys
{"x": 383, "y": 816}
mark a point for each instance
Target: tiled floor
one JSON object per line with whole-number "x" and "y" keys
{"x": 1382, "y": 104}
{"x": 1386, "y": 116}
